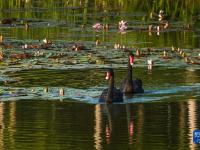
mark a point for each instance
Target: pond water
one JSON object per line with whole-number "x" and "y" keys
{"x": 33, "y": 115}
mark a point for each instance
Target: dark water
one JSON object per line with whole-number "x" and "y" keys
{"x": 32, "y": 117}
{"x": 39, "y": 124}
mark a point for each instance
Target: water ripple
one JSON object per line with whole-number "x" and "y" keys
{"x": 91, "y": 95}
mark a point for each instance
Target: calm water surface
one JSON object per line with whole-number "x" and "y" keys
{"x": 39, "y": 124}
{"x": 164, "y": 117}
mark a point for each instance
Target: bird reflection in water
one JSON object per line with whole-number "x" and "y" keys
{"x": 130, "y": 123}
{"x": 106, "y": 125}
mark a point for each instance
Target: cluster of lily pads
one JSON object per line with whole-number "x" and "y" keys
{"x": 17, "y": 55}
{"x": 61, "y": 53}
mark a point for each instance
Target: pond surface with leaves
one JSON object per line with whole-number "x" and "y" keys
{"x": 49, "y": 45}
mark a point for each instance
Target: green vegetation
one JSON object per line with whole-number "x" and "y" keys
{"x": 71, "y": 14}
{"x": 71, "y": 9}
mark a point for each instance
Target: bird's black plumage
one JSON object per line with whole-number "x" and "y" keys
{"x": 111, "y": 94}
{"x": 130, "y": 85}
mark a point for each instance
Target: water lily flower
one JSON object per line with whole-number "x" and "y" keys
{"x": 164, "y": 54}
{"x": 138, "y": 53}
{"x": 158, "y": 30}
{"x": 46, "y": 89}
{"x": 61, "y": 92}
{"x": 46, "y": 41}
{"x": 122, "y": 26}
{"x": 97, "y": 26}
{"x": 186, "y": 60}
{"x": 38, "y": 53}
{"x": 116, "y": 46}
{"x": 161, "y": 15}
{"x": 150, "y": 64}
{"x": 97, "y": 42}
{"x": 173, "y": 49}
{"x": 24, "y": 46}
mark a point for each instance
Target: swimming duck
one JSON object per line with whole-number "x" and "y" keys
{"x": 128, "y": 84}
{"x": 111, "y": 94}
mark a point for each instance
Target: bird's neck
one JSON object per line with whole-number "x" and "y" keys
{"x": 109, "y": 97}
{"x": 129, "y": 73}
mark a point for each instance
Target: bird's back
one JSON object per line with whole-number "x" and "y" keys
{"x": 117, "y": 95}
